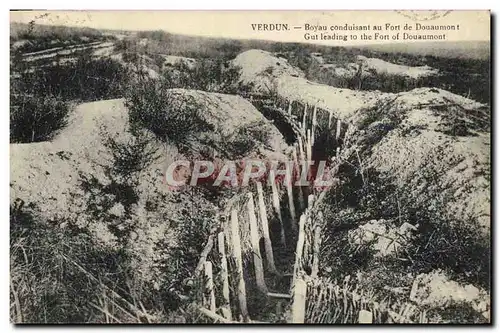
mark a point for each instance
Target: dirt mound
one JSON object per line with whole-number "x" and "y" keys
{"x": 146, "y": 65}
{"x": 369, "y": 67}
{"x": 435, "y": 144}
{"x": 51, "y": 176}
{"x": 172, "y": 61}
{"x": 342, "y": 102}
{"x": 261, "y": 68}
{"x": 268, "y": 73}
{"x": 72, "y": 180}
{"x": 380, "y": 66}
{"x": 47, "y": 173}
{"x": 235, "y": 124}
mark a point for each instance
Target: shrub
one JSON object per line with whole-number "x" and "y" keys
{"x": 34, "y": 119}
{"x": 456, "y": 246}
{"x": 127, "y": 160}
{"x": 87, "y": 79}
{"x": 161, "y": 42}
{"x": 208, "y": 75}
{"x": 151, "y": 105}
{"x": 130, "y": 157}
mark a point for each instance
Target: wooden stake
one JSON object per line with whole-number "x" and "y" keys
{"x": 299, "y": 248}
{"x": 305, "y": 251}
{"x": 310, "y": 200}
{"x": 279, "y": 295}
{"x": 330, "y": 114}
{"x": 254, "y": 236}
{"x": 304, "y": 118}
{"x": 315, "y": 113}
{"x": 308, "y": 146}
{"x": 226, "y": 308}
{"x": 265, "y": 229}
{"x": 204, "y": 254}
{"x": 289, "y": 190}
{"x": 235, "y": 238}
{"x": 316, "y": 249}
{"x": 301, "y": 151}
{"x": 276, "y": 204}
{"x": 312, "y": 135}
{"x": 314, "y": 124}
{"x": 339, "y": 128}
{"x": 297, "y": 164}
{"x": 294, "y": 155}
{"x": 299, "y": 302}
{"x": 209, "y": 293}
{"x": 290, "y": 107}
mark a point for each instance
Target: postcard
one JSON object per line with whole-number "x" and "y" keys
{"x": 240, "y": 167}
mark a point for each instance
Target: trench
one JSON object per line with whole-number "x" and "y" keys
{"x": 288, "y": 118}
{"x": 268, "y": 293}
{"x": 269, "y": 110}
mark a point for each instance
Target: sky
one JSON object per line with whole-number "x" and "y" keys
{"x": 474, "y": 25}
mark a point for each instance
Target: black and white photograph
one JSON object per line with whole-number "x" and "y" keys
{"x": 250, "y": 167}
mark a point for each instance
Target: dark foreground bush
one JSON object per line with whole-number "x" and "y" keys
{"x": 56, "y": 274}
{"x": 36, "y": 118}
{"x": 59, "y": 273}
